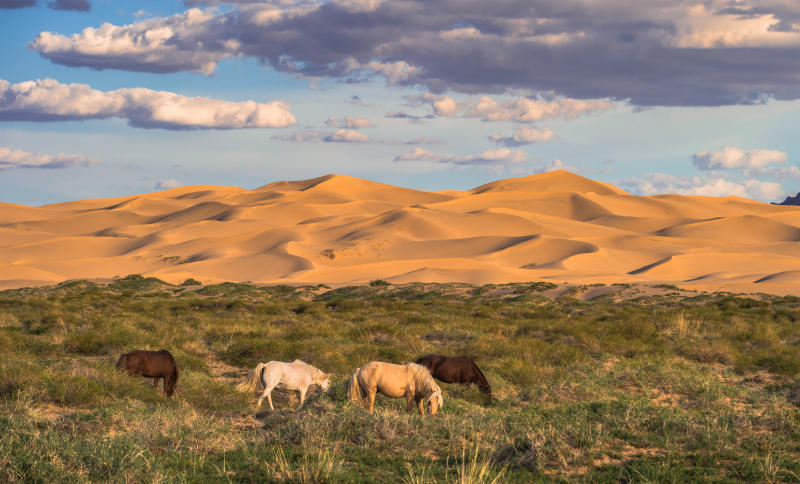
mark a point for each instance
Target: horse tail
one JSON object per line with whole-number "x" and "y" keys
{"x": 172, "y": 381}
{"x": 250, "y": 385}
{"x": 355, "y": 393}
{"x": 483, "y": 384}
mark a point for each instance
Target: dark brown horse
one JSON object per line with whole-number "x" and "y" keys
{"x": 152, "y": 364}
{"x": 456, "y": 369}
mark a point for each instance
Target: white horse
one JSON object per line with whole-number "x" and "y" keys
{"x": 297, "y": 376}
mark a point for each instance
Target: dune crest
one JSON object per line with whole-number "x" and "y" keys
{"x": 338, "y": 229}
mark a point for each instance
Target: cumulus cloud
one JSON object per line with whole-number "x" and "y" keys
{"x": 348, "y": 122}
{"x": 661, "y": 52}
{"x": 731, "y": 157}
{"x": 10, "y": 159}
{"x": 17, "y": 3}
{"x": 346, "y": 136}
{"x": 163, "y": 44}
{"x": 704, "y": 27}
{"x": 167, "y": 184}
{"x": 487, "y": 158}
{"x": 709, "y": 185}
{"x": 523, "y": 135}
{"x": 78, "y": 5}
{"x": 49, "y": 100}
{"x": 520, "y": 110}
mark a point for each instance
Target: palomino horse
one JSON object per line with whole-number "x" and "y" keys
{"x": 152, "y": 364}
{"x": 412, "y": 381}
{"x": 456, "y": 369}
{"x": 297, "y": 376}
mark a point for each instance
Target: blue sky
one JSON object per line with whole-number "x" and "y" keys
{"x": 669, "y": 96}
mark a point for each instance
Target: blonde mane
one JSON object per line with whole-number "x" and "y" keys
{"x": 422, "y": 379}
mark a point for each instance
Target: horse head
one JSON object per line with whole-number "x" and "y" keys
{"x": 435, "y": 400}
{"x": 324, "y": 380}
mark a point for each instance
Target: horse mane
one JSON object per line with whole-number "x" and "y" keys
{"x": 422, "y": 378}
{"x": 319, "y": 373}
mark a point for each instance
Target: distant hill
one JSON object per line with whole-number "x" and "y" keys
{"x": 795, "y": 200}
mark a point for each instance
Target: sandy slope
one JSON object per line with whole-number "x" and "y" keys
{"x": 341, "y": 230}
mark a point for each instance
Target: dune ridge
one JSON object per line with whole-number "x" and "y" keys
{"x": 336, "y": 230}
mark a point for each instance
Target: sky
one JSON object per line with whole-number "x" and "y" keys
{"x": 105, "y": 98}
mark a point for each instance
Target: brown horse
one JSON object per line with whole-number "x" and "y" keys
{"x": 456, "y": 369}
{"x": 152, "y": 364}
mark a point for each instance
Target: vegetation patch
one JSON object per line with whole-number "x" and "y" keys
{"x": 673, "y": 386}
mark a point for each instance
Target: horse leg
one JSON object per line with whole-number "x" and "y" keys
{"x": 409, "y": 401}
{"x": 155, "y": 383}
{"x": 370, "y": 399}
{"x": 268, "y": 395}
{"x": 421, "y": 405}
{"x": 302, "y": 396}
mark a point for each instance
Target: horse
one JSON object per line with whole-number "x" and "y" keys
{"x": 152, "y": 364}
{"x": 411, "y": 380}
{"x": 297, "y": 376}
{"x": 456, "y": 369}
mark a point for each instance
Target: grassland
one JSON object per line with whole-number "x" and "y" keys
{"x": 671, "y": 386}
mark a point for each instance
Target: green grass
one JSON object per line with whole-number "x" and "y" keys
{"x": 673, "y": 387}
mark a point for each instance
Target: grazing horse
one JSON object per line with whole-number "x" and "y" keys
{"x": 297, "y": 376}
{"x": 152, "y": 364}
{"x": 411, "y": 380}
{"x": 456, "y": 369}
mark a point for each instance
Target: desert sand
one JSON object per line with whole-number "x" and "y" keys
{"x": 337, "y": 230}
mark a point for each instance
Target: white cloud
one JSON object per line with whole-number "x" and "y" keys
{"x": 50, "y": 100}
{"x": 701, "y": 27}
{"x": 443, "y": 105}
{"x": 346, "y": 136}
{"x": 349, "y": 122}
{"x": 489, "y": 157}
{"x": 708, "y": 185}
{"x": 167, "y": 184}
{"x": 556, "y": 165}
{"x": 731, "y": 157}
{"x": 146, "y": 45}
{"x": 523, "y": 135}
{"x": 394, "y": 72}
{"x": 10, "y": 159}
{"x": 526, "y": 110}
{"x": 521, "y": 110}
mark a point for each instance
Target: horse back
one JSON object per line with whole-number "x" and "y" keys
{"x": 431, "y": 362}
{"x": 148, "y": 363}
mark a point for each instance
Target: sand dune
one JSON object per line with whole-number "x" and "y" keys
{"x": 341, "y": 230}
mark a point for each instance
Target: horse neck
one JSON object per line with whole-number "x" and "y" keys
{"x": 423, "y": 385}
{"x": 317, "y": 376}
